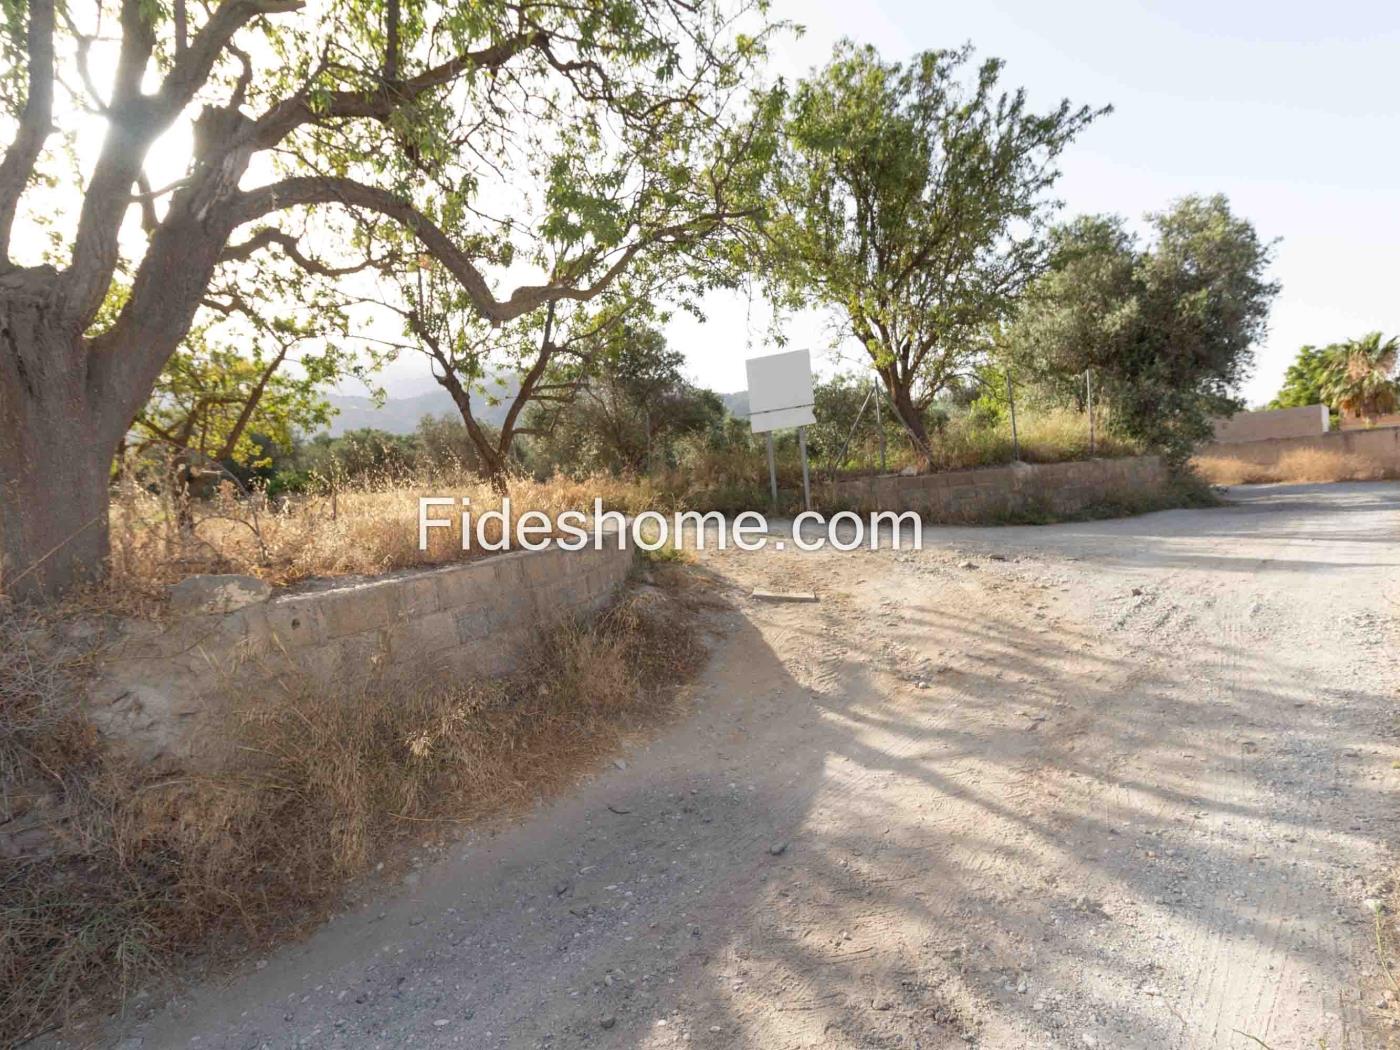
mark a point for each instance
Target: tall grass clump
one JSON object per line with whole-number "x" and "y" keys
{"x": 969, "y": 440}
{"x": 1296, "y": 466}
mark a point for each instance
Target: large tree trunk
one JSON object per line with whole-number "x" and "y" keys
{"x": 56, "y": 452}
{"x": 913, "y": 420}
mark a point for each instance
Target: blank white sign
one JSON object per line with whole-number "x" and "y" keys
{"x": 780, "y": 391}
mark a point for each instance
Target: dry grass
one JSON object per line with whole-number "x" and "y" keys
{"x": 1045, "y": 436}
{"x": 372, "y": 528}
{"x": 148, "y": 873}
{"x": 1049, "y": 436}
{"x": 1296, "y": 466}
{"x": 367, "y": 530}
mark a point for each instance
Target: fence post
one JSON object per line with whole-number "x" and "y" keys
{"x": 1089, "y": 402}
{"x": 806, "y": 484}
{"x": 879, "y": 425}
{"x": 772, "y": 471}
{"x": 1015, "y": 438}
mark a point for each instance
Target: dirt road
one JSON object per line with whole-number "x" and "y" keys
{"x": 1122, "y": 784}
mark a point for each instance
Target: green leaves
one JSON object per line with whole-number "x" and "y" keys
{"x": 215, "y": 400}
{"x": 912, "y": 197}
{"x": 1358, "y": 376}
{"x": 1167, "y": 329}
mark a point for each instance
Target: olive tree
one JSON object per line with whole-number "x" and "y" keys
{"x": 313, "y": 132}
{"x": 912, "y": 199}
{"x": 1167, "y": 327}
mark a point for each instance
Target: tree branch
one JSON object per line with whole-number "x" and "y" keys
{"x": 250, "y": 404}
{"x": 296, "y": 192}
{"x": 35, "y": 125}
{"x": 291, "y": 113}
{"x": 271, "y": 235}
{"x": 136, "y": 120}
{"x": 194, "y": 64}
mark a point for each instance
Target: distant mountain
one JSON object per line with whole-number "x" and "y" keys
{"x": 400, "y": 415}
{"x": 737, "y": 403}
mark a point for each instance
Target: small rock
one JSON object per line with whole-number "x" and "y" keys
{"x": 778, "y": 848}
{"x": 619, "y": 763}
{"x": 218, "y": 593}
{"x": 967, "y": 565}
{"x": 882, "y": 1004}
{"x": 441, "y": 1022}
{"x": 607, "y": 1022}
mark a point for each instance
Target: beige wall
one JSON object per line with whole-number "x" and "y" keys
{"x": 1381, "y": 444}
{"x": 997, "y": 492}
{"x": 1369, "y": 422}
{"x": 163, "y": 686}
{"x": 1309, "y": 421}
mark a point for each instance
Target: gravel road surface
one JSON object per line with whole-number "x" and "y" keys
{"x": 1121, "y": 784}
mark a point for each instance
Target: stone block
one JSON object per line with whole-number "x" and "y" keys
{"x": 542, "y": 568}
{"x": 354, "y": 610}
{"x": 463, "y": 585}
{"x": 295, "y": 621}
{"x": 419, "y": 595}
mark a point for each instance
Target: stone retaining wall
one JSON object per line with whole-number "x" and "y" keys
{"x": 163, "y": 687}
{"x": 1381, "y": 444}
{"x": 992, "y": 493}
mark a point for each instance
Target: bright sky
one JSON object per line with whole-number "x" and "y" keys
{"x": 1288, "y": 107}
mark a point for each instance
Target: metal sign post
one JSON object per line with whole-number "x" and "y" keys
{"x": 806, "y": 484}
{"x": 1015, "y": 438}
{"x": 1089, "y": 403}
{"x": 780, "y": 395}
{"x": 772, "y": 471}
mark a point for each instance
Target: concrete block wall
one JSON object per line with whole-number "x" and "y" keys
{"x": 1308, "y": 421}
{"x": 164, "y": 688}
{"x": 990, "y": 493}
{"x": 1381, "y": 444}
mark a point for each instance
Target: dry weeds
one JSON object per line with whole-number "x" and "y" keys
{"x": 1296, "y": 466}
{"x": 366, "y": 530}
{"x": 147, "y": 873}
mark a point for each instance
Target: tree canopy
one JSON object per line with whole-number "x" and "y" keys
{"x": 1359, "y": 378}
{"x": 629, "y": 405}
{"x": 911, "y": 199}
{"x": 1305, "y": 382}
{"x": 536, "y": 153}
{"x": 212, "y": 398}
{"x": 1166, "y": 328}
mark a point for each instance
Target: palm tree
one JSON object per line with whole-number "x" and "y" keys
{"x": 1359, "y": 378}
